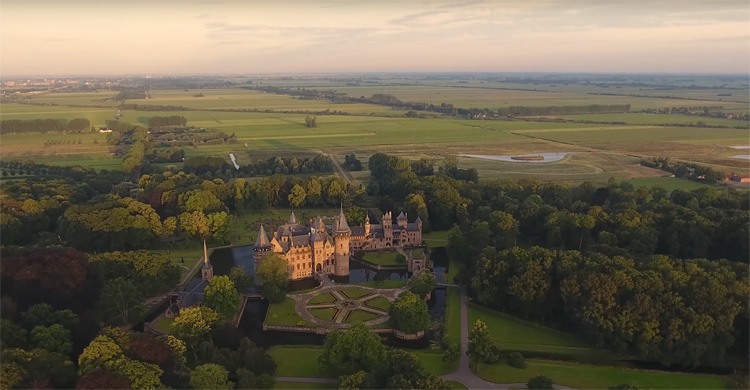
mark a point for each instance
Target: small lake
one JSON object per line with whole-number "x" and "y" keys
{"x": 547, "y": 156}
{"x": 740, "y": 147}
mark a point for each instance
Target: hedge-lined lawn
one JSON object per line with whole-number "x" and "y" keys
{"x": 384, "y": 258}
{"x": 584, "y": 376}
{"x": 357, "y": 316}
{"x": 453, "y": 315}
{"x": 283, "y": 313}
{"x": 322, "y": 298}
{"x": 296, "y": 361}
{"x": 313, "y": 385}
{"x": 398, "y": 283}
{"x": 379, "y": 302}
{"x": 433, "y": 362}
{"x": 325, "y": 314}
{"x": 354, "y": 292}
{"x": 512, "y": 333}
{"x": 436, "y": 238}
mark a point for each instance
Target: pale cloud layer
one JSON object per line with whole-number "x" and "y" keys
{"x": 168, "y": 37}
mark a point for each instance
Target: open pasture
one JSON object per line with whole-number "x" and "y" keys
{"x": 78, "y": 98}
{"x": 638, "y": 118}
{"x": 250, "y": 99}
{"x": 524, "y": 95}
{"x": 96, "y": 116}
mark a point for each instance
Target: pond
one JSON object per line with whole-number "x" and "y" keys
{"x": 251, "y": 323}
{"x": 742, "y": 156}
{"x": 521, "y": 158}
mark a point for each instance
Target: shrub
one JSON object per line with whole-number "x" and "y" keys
{"x": 515, "y": 359}
{"x": 540, "y": 382}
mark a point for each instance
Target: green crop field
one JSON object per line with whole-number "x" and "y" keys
{"x": 668, "y": 183}
{"x": 371, "y": 128}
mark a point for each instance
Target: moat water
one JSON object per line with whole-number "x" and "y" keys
{"x": 251, "y": 323}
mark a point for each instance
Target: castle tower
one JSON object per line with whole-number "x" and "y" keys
{"x": 402, "y": 220}
{"x": 292, "y": 220}
{"x": 207, "y": 270}
{"x": 262, "y": 245}
{"x": 367, "y": 224}
{"x": 341, "y": 235}
{"x": 388, "y": 227}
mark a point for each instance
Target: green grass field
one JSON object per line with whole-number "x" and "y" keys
{"x": 384, "y": 283}
{"x": 518, "y": 335}
{"x": 322, "y": 298}
{"x": 435, "y": 238}
{"x": 325, "y": 314}
{"x": 668, "y": 183}
{"x": 379, "y": 302}
{"x": 584, "y": 376}
{"x": 373, "y": 128}
{"x": 283, "y": 313}
{"x": 296, "y": 361}
{"x": 304, "y": 385}
{"x": 358, "y": 316}
{"x": 453, "y": 315}
{"x": 384, "y": 258}
{"x": 432, "y": 361}
{"x": 354, "y": 292}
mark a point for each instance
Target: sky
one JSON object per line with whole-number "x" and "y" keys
{"x": 158, "y": 37}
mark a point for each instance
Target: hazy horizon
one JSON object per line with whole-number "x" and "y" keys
{"x": 78, "y": 38}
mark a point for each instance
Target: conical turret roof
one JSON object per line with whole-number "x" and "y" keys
{"x": 401, "y": 216}
{"x": 262, "y": 240}
{"x": 342, "y": 226}
{"x": 292, "y": 219}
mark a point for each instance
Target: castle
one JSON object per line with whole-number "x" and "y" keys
{"x": 318, "y": 248}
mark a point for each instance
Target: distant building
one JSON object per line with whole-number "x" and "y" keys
{"x": 318, "y": 248}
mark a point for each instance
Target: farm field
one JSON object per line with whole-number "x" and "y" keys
{"x": 668, "y": 183}
{"x": 639, "y": 118}
{"x": 264, "y": 134}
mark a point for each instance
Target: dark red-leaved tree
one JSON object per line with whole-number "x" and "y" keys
{"x": 102, "y": 379}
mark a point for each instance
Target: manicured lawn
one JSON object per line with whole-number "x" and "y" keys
{"x": 584, "y": 376}
{"x": 358, "y": 316}
{"x": 163, "y": 324}
{"x": 416, "y": 253}
{"x": 311, "y": 385}
{"x": 384, "y": 283}
{"x": 283, "y": 313}
{"x": 322, "y": 298}
{"x": 433, "y": 362}
{"x": 455, "y": 385}
{"x": 436, "y": 238}
{"x": 453, "y": 315}
{"x": 354, "y": 293}
{"x": 515, "y": 334}
{"x": 384, "y": 258}
{"x": 379, "y": 302}
{"x": 296, "y": 361}
{"x": 668, "y": 183}
{"x": 325, "y": 314}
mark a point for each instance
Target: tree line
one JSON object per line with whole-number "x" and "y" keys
{"x": 163, "y": 121}
{"x": 43, "y": 126}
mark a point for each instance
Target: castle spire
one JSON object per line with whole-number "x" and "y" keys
{"x": 205, "y": 253}
{"x": 262, "y": 240}
{"x": 292, "y": 219}
{"x": 207, "y": 270}
{"x": 343, "y": 226}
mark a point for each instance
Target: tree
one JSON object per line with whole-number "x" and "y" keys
{"x": 311, "y": 121}
{"x": 416, "y": 205}
{"x": 272, "y": 274}
{"x": 452, "y": 353}
{"x": 240, "y": 278}
{"x": 356, "y": 381}
{"x": 481, "y": 346}
{"x": 348, "y": 351}
{"x": 297, "y": 196}
{"x": 409, "y": 313}
{"x": 12, "y": 335}
{"x": 54, "y": 338}
{"x": 221, "y": 296}
{"x": 210, "y": 376}
{"x": 422, "y": 283}
{"x": 540, "y": 382}
{"x": 103, "y": 379}
{"x": 119, "y": 296}
{"x": 194, "y": 323}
